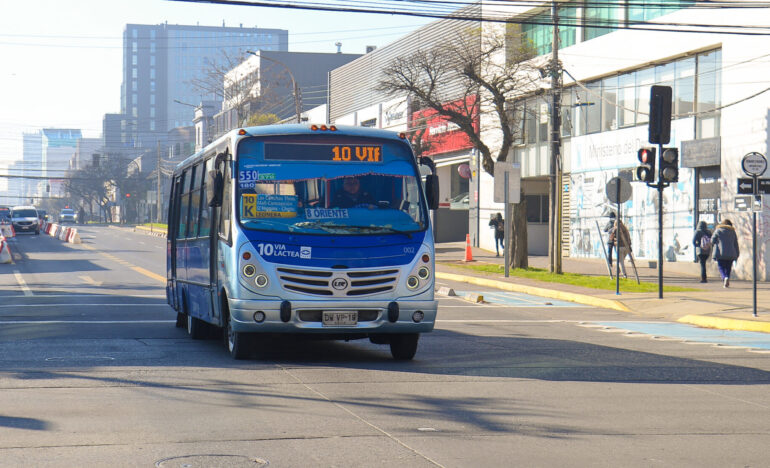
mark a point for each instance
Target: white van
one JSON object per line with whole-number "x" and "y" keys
{"x": 24, "y": 219}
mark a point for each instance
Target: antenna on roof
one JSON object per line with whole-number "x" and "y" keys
{"x": 339, "y": 47}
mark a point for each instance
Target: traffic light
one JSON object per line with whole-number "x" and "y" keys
{"x": 669, "y": 165}
{"x": 128, "y": 195}
{"x": 646, "y": 170}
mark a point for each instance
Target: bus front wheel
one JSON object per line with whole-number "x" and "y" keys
{"x": 237, "y": 343}
{"x": 403, "y": 346}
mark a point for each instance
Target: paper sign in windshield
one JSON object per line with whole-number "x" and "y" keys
{"x": 268, "y": 206}
{"x": 249, "y": 178}
{"x": 326, "y": 213}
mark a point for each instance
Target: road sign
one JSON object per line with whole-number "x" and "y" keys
{"x": 746, "y": 186}
{"x": 754, "y": 164}
{"x": 743, "y": 203}
{"x": 514, "y": 182}
{"x": 612, "y": 190}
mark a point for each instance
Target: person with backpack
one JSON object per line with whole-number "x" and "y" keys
{"x": 726, "y": 249}
{"x": 702, "y": 242}
{"x": 498, "y": 225}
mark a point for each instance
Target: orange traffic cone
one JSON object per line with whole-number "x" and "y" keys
{"x": 468, "y": 252}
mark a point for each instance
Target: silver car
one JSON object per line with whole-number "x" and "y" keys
{"x": 67, "y": 215}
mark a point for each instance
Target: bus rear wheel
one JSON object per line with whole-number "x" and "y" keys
{"x": 403, "y": 346}
{"x": 195, "y": 328}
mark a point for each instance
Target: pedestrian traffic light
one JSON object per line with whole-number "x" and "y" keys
{"x": 669, "y": 165}
{"x": 646, "y": 170}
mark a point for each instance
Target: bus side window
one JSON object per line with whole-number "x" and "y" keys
{"x": 226, "y": 211}
{"x": 205, "y": 208}
{"x": 195, "y": 200}
{"x": 184, "y": 203}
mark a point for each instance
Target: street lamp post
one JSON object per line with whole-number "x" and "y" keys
{"x": 297, "y": 106}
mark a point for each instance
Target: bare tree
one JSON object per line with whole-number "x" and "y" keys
{"x": 244, "y": 91}
{"x": 465, "y": 78}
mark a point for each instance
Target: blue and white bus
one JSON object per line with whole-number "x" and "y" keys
{"x": 267, "y": 233}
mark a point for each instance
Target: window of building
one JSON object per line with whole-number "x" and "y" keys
{"x": 708, "y": 96}
{"x": 609, "y": 103}
{"x": 134, "y": 33}
{"x": 152, "y": 73}
{"x": 134, "y": 46}
{"x": 626, "y": 100}
{"x": 538, "y": 31}
{"x": 152, "y": 47}
{"x": 593, "y": 108}
{"x": 152, "y": 125}
{"x": 152, "y": 99}
{"x": 537, "y": 208}
{"x": 601, "y": 20}
{"x": 542, "y": 127}
{"x": 152, "y": 111}
{"x": 133, "y": 73}
{"x": 644, "y": 80}
{"x": 684, "y": 89}
{"x": 646, "y": 10}
{"x": 134, "y": 98}
{"x": 134, "y": 60}
{"x": 152, "y": 60}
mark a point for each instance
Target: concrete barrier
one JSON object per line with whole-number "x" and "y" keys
{"x": 6, "y": 230}
{"x": 5, "y": 251}
{"x": 74, "y": 237}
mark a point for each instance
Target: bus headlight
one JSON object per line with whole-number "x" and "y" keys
{"x": 249, "y": 270}
{"x": 412, "y": 282}
{"x": 261, "y": 281}
{"x": 423, "y": 273}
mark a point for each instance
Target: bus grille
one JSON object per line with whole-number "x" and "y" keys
{"x": 321, "y": 283}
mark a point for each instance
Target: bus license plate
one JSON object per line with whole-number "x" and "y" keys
{"x": 340, "y": 319}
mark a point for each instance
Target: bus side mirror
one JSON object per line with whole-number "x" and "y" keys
{"x": 431, "y": 191}
{"x": 214, "y": 182}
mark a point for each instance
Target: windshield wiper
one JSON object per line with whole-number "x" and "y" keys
{"x": 332, "y": 227}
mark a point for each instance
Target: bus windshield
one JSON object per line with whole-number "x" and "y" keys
{"x": 330, "y": 188}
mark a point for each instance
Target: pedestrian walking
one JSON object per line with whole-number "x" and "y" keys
{"x": 702, "y": 242}
{"x": 611, "y": 240}
{"x": 726, "y": 250}
{"x": 621, "y": 238}
{"x": 498, "y": 225}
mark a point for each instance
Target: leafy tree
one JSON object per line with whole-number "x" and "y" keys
{"x": 258, "y": 119}
{"x": 464, "y": 79}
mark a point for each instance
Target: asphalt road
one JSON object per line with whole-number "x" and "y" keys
{"x": 93, "y": 372}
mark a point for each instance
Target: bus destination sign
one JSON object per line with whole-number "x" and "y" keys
{"x": 331, "y": 153}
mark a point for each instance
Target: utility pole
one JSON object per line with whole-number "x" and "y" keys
{"x": 554, "y": 210}
{"x": 157, "y": 193}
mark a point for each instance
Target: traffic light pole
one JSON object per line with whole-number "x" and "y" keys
{"x": 660, "y": 225}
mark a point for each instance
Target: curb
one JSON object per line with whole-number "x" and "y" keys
{"x": 723, "y": 323}
{"x": 550, "y": 293}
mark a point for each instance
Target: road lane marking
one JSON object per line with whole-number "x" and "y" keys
{"x": 90, "y": 280}
{"x": 89, "y": 322}
{"x": 150, "y": 274}
{"x": 137, "y": 269}
{"x": 81, "y": 305}
{"x": 22, "y": 283}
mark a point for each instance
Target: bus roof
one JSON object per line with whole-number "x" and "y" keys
{"x": 293, "y": 129}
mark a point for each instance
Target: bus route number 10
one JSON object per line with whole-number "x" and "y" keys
{"x": 357, "y": 153}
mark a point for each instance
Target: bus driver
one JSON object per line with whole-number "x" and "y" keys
{"x": 352, "y": 196}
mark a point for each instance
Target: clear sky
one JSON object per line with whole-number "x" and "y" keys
{"x": 61, "y": 60}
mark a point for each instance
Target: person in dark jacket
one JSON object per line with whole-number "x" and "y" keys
{"x": 701, "y": 250}
{"x": 499, "y": 226}
{"x": 726, "y": 250}
{"x": 610, "y": 240}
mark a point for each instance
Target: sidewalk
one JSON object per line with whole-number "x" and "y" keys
{"x": 711, "y": 306}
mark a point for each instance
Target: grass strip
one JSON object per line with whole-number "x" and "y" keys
{"x": 575, "y": 279}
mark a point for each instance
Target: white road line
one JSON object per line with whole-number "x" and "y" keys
{"x": 22, "y": 283}
{"x": 89, "y": 322}
{"x": 505, "y": 321}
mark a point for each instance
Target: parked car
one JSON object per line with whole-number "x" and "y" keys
{"x": 67, "y": 215}
{"x": 460, "y": 202}
{"x": 24, "y": 219}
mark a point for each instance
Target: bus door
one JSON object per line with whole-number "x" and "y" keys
{"x": 214, "y": 208}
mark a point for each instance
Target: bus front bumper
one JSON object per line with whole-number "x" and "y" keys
{"x": 332, "y": 317}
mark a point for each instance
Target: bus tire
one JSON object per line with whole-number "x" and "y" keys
{"x": 181, "y": 320}
{"x": 403, "y": 346}
{"x": 237, "y": 342}
{"x": 195, "y": 328}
